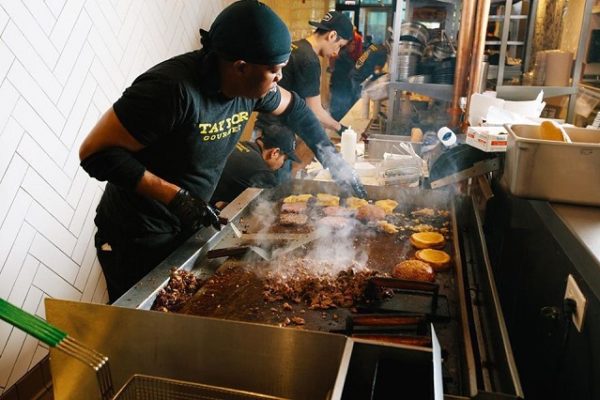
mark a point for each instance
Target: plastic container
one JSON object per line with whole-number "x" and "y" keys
{"x": 552, "y": 170}
{"x": 348, "y": 145}
{"x": 447, "y": 137}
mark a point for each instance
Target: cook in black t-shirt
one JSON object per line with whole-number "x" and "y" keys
{"x": 253, "y": 164}
{"x": 164, "y": 143}
{"x": 302, "y": 74}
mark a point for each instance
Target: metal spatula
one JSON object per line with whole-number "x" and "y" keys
{"x": 58, "y": 339}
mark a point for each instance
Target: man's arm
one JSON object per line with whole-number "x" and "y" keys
{"x": 109, "y": 135}
{"x": 106, "y": 154}
{"x": 296, "y": 114}
{"x": 314, "y": 103}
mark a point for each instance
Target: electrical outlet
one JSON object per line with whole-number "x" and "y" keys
{"x": 573, "y": 292}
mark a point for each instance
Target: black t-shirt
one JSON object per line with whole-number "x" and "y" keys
{"x": 375, "y": 55}
{"x": 245, "y": 168}
{"x": 188, "y": 129}
{"x": 340, "y": 77}
{"x": 302, "y": 75}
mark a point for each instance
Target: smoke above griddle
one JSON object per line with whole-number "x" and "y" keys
{"x": 333, "y": 249}
{"x": 337, "y": 248}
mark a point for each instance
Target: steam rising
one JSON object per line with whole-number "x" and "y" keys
{"x": 336, "y": 249}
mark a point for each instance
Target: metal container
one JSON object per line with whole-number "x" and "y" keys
{"x": 272, "y": 361}
{"x": 231, "y": 360}
{"x": 380, "y": 143}
{"x": 415, "y": 30}
{"x": 555, "y": 171}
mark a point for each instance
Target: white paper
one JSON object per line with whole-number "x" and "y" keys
{"x": 484, "y": 107}
{"x": 479, "y": 105}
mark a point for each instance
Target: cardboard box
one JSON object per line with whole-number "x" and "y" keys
{"x": 487, "y": 138}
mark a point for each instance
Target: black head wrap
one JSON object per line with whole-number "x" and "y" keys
{"x": 249, "y": 30}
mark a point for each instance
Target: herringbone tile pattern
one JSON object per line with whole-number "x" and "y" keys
{"x": 62, "y": 64}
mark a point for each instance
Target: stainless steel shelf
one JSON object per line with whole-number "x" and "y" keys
{"x": 521, "y": 93}
{"x": 501, "y": 17}
{"x": 435, "y": 90}
{"x": 509, "y": 43}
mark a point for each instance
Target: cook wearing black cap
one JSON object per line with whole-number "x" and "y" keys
{"x": 253, "y": 164}
{"x": 163, "y": 144}
{"x": 302, "y": 74}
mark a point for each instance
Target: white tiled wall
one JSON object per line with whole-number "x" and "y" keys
{"x": 62, "y": 64}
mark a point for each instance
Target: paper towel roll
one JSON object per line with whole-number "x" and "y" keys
{"x": 558, "y": 68}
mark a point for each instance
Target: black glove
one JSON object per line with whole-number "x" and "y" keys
{"x": 357, "y": 187}
{"x": 193, "y": 212}
{"x": 345, "y": 176}
{"x": 342, "y": 129}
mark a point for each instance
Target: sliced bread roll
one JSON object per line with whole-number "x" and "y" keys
{"x": 438, "y": 259}
{"x": 427, "y": 240}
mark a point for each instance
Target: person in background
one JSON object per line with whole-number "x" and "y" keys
{"x": 162, "y": 146}
{"x": 367, "y": 42}
{"x": 357, "y": 41}
{"x": 347, "y": 77}
{"x": 370, "y": 64}
{"x": 341, "y": 93}
{"x": 253, "y": 164}
{"x": 302, "y": 75}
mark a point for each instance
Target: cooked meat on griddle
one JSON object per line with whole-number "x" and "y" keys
{"x": 336, "y": 211}
{"x": 318, "y": 291}
{"x": 294, "y": 208}
{"x": 181, "y": 287}
{"x": 290, "y": 219}
{"x": 370, "y": 213}
{"x": 336, "y": 222}
{"x": 414, "y": 270}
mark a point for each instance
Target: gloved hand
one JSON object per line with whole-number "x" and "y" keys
{"x": 357, "y": 188}
{"x": 346, "y": 177}
{"x": 193, "y": 212}
{"x": 342, "y": 129}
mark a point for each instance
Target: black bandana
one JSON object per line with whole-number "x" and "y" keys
{"x": 248, "y": 30}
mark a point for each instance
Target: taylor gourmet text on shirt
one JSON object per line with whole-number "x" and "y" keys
{"x": 221, "y": 129}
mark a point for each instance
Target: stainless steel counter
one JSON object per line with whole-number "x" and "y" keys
{"x": 584, "y": 223}
{"x": 577, "y": 230}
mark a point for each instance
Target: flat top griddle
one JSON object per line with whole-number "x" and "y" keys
{"x": 236, "y": 290}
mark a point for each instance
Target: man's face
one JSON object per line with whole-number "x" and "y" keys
{"x": 275, "y": 159}
{"x": 261, "y": 79}
{"x": 333, "y": 46}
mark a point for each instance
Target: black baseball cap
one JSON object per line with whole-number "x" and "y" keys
{"x": 336, "y": 21}
{"x": 281, "y": 137}
{"x": 249, "y": 30}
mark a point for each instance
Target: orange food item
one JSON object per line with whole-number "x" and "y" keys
{"x": 427, "y": 240}
{"x": 414, "y": 270}
{"x": 438, "y": 259}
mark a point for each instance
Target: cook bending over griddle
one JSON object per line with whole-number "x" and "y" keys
{"x": 163, "y": 144}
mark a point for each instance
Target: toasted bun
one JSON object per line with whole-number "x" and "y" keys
{"x": 355, "y": 202}
{"x": 414, "y": 270}
{"x": 438, "y": 259}
{"x": 298, "y": 198}
{"x": 427, "y": 240}
{"x": 387, "y": 205}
